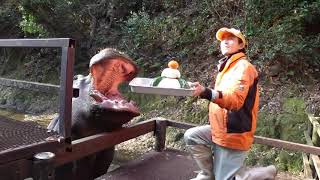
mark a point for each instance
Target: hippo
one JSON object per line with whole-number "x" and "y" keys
{"x": 99, "y": 108}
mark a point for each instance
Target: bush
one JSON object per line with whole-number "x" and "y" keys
{"x": 289, "y": 125}
{"x": 284, "y": 32}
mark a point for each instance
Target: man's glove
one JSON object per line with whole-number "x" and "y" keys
{"x": 209, "y": 94}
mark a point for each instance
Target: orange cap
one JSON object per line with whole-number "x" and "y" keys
{"x": 222, "y": 31}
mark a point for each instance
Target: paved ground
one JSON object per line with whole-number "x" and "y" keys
{"x": 167, "y": 165}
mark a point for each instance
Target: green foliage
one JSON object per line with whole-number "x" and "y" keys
{"x": 195, "y": 111}
{"x": 290, "y": 161}
{"x": 142, "y": 30}
{"x": 284, "y": 31}
{"x": 153, "y": 39}
{"x": 58, "y": 18}
{"x": 223, "y": 13}
{"x": 183, "y": 83}
{"x": 260, "y": 155}
{"x": 289, "y": 124}
{"x": 28, "y": 101}
{"x": 9, "y": 20}
{"x": 30, "y": 26}
{"x": 156, "y": 81}
{"x": 171, "y": 5}
{"x": 292, "y": 120}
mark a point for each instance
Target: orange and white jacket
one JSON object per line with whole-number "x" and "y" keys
{"x": 233, "y": 114}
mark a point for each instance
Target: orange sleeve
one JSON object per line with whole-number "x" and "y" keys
{"x": 235, "y": 92}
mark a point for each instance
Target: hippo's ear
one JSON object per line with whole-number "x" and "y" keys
{"x": 77, "y": 81}
{"x": 76, "y": 86}
{"x": 80, "y": 83}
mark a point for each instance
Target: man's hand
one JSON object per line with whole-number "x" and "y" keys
{"x": 198, "y": 88}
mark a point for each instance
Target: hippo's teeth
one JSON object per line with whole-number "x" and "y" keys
{"x": 133, "y": 103}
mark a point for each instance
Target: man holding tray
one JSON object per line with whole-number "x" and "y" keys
{"x": 233, "y": 109}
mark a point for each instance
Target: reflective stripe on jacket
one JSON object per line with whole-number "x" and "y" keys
{"x": 233, "y": 115}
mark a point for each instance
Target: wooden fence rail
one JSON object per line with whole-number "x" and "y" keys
{"x": 311, "y": 162}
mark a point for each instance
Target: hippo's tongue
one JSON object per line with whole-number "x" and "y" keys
{"x": 115, "y": 102}
{"x": 120, "y": 105}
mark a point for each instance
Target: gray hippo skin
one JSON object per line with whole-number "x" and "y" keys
{"x": 99, "y": 108}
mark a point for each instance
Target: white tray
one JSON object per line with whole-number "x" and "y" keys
{"x": 143, "y": 85}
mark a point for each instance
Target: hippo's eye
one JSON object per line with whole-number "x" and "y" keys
{"x": 130, "y": 74}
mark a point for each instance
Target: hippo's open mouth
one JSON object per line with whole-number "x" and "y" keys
{"x": 109, "y": 69}
{"x": 115, "y": 102}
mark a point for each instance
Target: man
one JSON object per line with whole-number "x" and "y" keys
{"x": 232, "y": 112}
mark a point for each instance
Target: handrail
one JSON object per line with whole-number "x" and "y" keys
{"x": 92, "y": 144}
{"x": 312, "y": 136}
{"x": 263, "y": 140}
{"x": 47, "y": 43}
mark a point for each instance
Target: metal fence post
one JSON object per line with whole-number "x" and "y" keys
{"x": 66, "y": 92}
{"x": 43, "y": 166}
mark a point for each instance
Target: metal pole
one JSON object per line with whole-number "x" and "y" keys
{"x": 43, "y": 168}
{"x": 66, "y": 92}
{"x": 51, "y": 42}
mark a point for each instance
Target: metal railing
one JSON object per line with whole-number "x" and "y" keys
{"x": 98, "y": 142}
{"x": 65, "y": 89}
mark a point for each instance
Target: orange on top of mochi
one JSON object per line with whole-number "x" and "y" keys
{"x": 173, "y": 64}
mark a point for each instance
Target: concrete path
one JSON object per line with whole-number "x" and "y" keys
{"x": 167, "y": 165}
